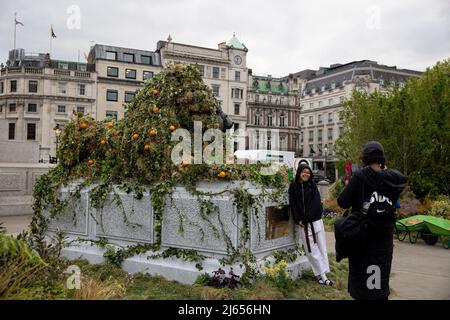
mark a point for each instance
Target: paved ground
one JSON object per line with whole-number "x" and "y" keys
{"x": 419, "y": 271}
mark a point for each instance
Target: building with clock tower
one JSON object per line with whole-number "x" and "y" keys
{"x": 224, "y": 70}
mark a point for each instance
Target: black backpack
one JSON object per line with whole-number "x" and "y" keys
{"x": 350, "y": 231}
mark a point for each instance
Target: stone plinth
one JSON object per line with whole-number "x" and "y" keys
{"x": 182, "y": 227}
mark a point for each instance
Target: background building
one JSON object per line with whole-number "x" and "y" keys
{"x": 120, "y": 72}
{"x": 223, "y": 69}
{"x": 273, "y": 104}
{"x": 322, "y": 100}
{"x": 37, "y": 94}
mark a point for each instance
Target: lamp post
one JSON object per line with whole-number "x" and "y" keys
{"x": 57, "y": 131}
{"x": 325, "y": 149}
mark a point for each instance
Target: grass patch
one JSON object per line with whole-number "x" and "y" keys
{"x": 110, "y": 282}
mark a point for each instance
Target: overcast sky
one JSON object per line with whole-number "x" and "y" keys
{"x": 282, "y": 36}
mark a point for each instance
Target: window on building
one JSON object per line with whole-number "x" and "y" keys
{"x": 237, "y": 76}
{"x": 111, "y": 95}
{"x": 313, "y": 90}
{"x": 341, "y": 115}
{"x": 80, "y": 109}
{"x": 381, "y": 82}
{"x": 311, "y": 120}
{"x": 330, "y": 117}
{"x": 201, "y": 69}
{"x": 311, "y": 105}
{"x": 257, "y": 140}
{"x": 146, "y": 59}
{"x": 282, "y": 120}
{"x": 283, "y": 143}
{"x": 302, "y": 121}
{"x": 330, "y": 102}
{"x": 311, "y": 135}
{"x": 301, "y": 137}
{"x": 111, "y": 114}
{"x": 32, "y": 107}
{"x": 237, "y": 107}
{"x": 129, "y": 96}
{"x": 128, "y": 57}
{"x": 330, "y": 149}
{"x": 2, "y": 87}
{"x": 311, "y": 150}
{"x": 11, "y": 131}
{"x": 62, "y": 88}
{"x": 61, "y": 109}
{"x": 64, "y": 66}
{"x": 333, "y": 85}
{"x": 341, "y": 99}
{"x": 130, "y": 73}
{"x": 341, "y": 131}
{"x": 237, "y": 93}
{"x": 13, "y": 86}
{"x": 1, "y": 108}
{"x": 82, "y": 67}
{"x": 257, "y": 98}
{"x": 32, "y": 86}
{"x": 257, "y": 119}
{"x": 112, "y": 72}
{"x": 320, "y": 104}
{"x": 270, "y": 99}
{"x": 146, "y": 75}
{"x": 82, "y": 89}
{"x": 236, "y": 126}
{"x": 12, "y": 108}
{"x": 31, "y": 131}
{"x": 319, "y": 118}
{"x": 323, "y": 88}
{"x": 319, "y": 135}
{"x": 270, "y": 119}
{"x": 330, "y": 134}
{"x": 216, "y": 72}
{"x": 215, "y": 90}
{"x": 269, "y": 142}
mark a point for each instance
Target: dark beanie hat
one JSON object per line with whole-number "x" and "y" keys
{"x": 373, "y": 152}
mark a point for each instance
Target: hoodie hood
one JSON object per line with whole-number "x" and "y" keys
{"x": 389, "y": 182}
{"x": 300, "y": 168}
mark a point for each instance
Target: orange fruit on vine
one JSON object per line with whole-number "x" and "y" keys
{"x": 90, "y": 162}
{"x": 222, "y": 174}
{"x": 155, "y": 108}
{"x": 135, "y": 136}
{"x": 147, "y": 147}
{"x": 154, "y": 92}
{"x": 152, "y": 132}
{"x": 109, "y": 125}
{"x": 184, "y": 163}
{"x": 103, "y": 142}
{"x": 83, "y": 125}
{"x": 172, "y": 128}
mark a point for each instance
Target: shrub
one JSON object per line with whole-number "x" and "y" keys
{"x": 441, "y": 207}
{"x": 335, "y": 189}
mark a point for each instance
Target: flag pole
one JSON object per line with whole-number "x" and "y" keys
{"x": 51, "y": 40}
{"x": 15, "y": 26}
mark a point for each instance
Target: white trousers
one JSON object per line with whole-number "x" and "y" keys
{"x": 318, "y": 257}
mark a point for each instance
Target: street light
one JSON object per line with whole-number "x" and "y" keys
{"x": 57, "y": 131}
{"x": 325, "y": 149}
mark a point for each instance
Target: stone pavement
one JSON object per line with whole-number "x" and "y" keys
{"x": 419, "y": 271}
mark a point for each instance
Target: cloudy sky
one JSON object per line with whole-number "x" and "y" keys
{"x": 282, "y": 36}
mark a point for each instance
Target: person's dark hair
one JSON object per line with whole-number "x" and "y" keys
{"x": 373, "y": 152}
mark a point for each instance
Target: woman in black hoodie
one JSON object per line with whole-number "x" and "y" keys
{"x": 376, "y": 258}
{"x": 306, "y": 210}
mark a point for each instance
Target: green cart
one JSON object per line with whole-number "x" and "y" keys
{"x": 429, "y": 228}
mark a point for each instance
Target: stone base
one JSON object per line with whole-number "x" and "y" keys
{"x": 171, "y": 268}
